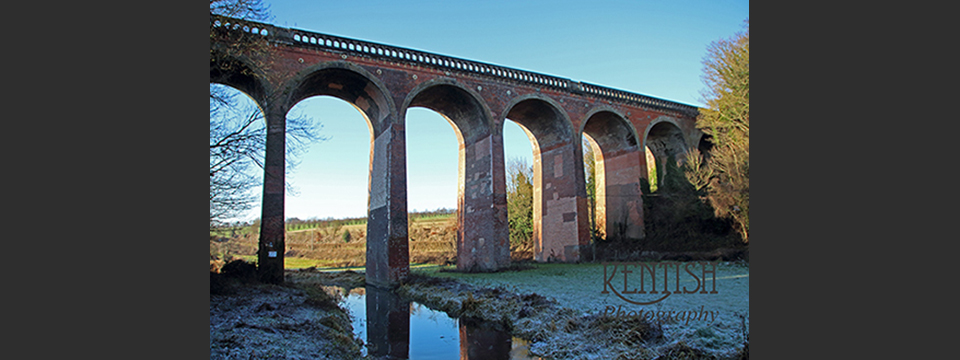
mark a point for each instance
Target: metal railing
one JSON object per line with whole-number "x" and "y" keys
{"x": 346, "y": 46}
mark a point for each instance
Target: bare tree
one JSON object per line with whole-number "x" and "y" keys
{"x": 254, "y": 10}
{"x": 237, "y": 132}
{"x": 236, "y": 141}
{"x": 237, "y": 147}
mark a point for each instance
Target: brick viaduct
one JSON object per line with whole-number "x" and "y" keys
{"x": 476, "y": 98}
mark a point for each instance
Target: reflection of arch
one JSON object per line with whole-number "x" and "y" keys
{"x": 619, "y": 207}
{"x": 482, "y": 237}
{"x": 560, "y": 224}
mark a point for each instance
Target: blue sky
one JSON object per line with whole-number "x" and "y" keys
{"x": 648, "y": 47}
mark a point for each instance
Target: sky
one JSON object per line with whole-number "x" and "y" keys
{"x": 653, "y": 48}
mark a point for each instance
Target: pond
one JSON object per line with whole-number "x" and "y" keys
{"x": 395, "y": 328}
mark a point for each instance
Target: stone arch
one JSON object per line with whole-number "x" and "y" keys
{"x": 665, "y": 140}
{"x": 387, "y": 253}
{"x": 246, "y": 76}
{"x": 619, "y": 167}
{"x": 560, "y": 221}
{"x": 350, "y": 83}
{"x": 240, "y": 74}
{"x": 461, "y": 105}
{"x": 704, "y": 146}
{"x": 543, "y": 117}
{"x": 482, "y": 236}
{"x": 610, "y": 127}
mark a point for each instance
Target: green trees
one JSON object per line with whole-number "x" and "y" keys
{"x": 590, "y": 176}
{"x": 725, "y": 171}
{"x": 520, "y": 204}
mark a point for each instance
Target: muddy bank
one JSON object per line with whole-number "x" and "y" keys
{"x": 557, "y": 332}
{"x": 300, "y": 320}
{"x": 291, "y": 321}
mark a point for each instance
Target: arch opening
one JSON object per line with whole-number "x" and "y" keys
{"x": 237, "y": 74}
{"x": 705, "y": 146}
{"x": 237, "y": 136}
{"x": 482, "y": 242}
{"x": 664, "y": 142}
{"x": 560, "y": 221}
{"x": 518, "y": 148}
{"x": 433, "y": 170}
{"x": 327, "y": 201}
{"x": 618, "y": 205}
{"x": 350, "y": 86}
{"x": 387, "y": 256}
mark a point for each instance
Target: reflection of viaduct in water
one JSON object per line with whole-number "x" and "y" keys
{"x": 388, "y": 324}
{"x": 476, "y": 98}
{"x": 388, "y": 331}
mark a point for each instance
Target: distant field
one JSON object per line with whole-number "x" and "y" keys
{"x": 340, "y": 243}
{"x": 325, "y": 265}
{"x": 358, "y": 224}
{"x": 294, "y": 263}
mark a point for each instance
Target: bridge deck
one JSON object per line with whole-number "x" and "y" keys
{"x": 353, "y": 47}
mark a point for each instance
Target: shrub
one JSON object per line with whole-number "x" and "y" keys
{"x": 240, "y": 270}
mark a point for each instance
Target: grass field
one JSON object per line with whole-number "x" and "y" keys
{"x": 342, "y": 244}
{"x": 327, "y": 265}
{"x": 295, "y": 263}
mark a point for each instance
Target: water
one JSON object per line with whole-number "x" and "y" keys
{"x": 398, "y": 329}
